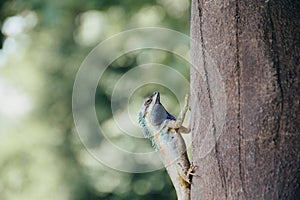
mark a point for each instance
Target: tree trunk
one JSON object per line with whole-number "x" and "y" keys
{"x": 245, "y": 94}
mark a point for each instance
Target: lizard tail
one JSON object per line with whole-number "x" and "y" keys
{"x": 183, "y": 194}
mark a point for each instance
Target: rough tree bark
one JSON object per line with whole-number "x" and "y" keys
{"x": 245, "y": 85}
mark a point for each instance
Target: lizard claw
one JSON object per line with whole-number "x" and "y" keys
{"x": 190, "y": 173}
{"x": 192, "y": 167}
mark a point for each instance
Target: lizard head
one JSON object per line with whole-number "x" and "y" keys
{"x": 153, "y": 111}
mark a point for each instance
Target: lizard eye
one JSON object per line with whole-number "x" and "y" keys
{"x": 148, "y": 101}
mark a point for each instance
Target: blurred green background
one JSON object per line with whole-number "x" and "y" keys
{"x": 42, "y": 45}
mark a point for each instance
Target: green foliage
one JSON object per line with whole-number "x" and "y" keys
{"x": 41, "y": 156}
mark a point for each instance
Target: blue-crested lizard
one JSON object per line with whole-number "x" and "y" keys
{"x": 164, "y": 131}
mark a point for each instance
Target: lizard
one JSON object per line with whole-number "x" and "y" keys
{"x": 164, "y": 131}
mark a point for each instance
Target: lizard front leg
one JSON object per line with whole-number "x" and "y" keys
{"x": 182, "y": 114}
{"x": 183, "y": 129}
{"x": 179, "y": 121}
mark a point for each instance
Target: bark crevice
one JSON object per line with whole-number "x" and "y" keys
{"x": 276, "y": 63}
{"x": 275, "y": 58}
{"x": 238, "y": 70}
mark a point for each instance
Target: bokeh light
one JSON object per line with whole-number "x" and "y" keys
{"x": 43, "y": 44}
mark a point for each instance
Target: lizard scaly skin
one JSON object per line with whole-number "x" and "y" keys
{"x": 164, "y": 131}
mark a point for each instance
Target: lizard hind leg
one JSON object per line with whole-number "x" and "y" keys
{"x": 186, "y": 174}
{"x": 191, "y": 171}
